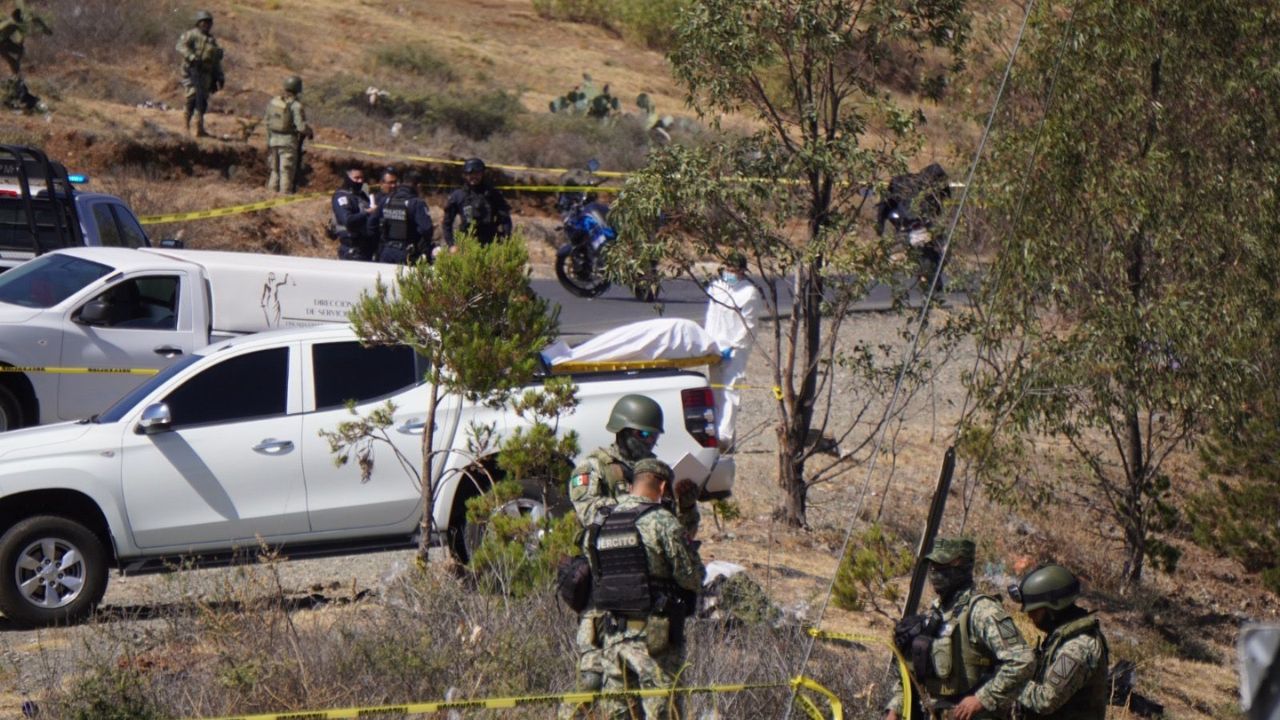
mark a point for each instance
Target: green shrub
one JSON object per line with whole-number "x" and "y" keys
{"x": 416, "y": 58}
{"x": 867, "y": 569}
{"x": 109, "y": 693}
{"x": 518, "y": 557}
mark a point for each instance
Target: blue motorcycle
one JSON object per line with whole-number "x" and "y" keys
{"x": 580, "y": 260}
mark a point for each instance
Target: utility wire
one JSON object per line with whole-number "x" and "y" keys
{"x": 915, "y": 340}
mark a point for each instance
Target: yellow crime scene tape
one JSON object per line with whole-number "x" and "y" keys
{"x": 232, "y": 210}
{"x": 904, "y": 676}
{"x": 79, "y": 370}
{"x": 447, "y": 161}
{"x": 508, "y": 703}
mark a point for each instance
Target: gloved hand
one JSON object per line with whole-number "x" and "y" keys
{"x": 726, "y": 353}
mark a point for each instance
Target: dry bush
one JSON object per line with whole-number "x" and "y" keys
{"x": 107, "y": 29}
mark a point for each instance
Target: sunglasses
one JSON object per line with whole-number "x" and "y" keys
{"x": 647, "y": 434}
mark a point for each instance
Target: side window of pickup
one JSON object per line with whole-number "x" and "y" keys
{"x": 346, "y": 371}
{"x": 130, "y": 231}
{"x": 108, "y": 233}
{"x": 249, "y": 386}
{"x": 149, "y": 302}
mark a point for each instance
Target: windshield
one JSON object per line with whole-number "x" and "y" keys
{"x": 48, "y": 280}
{"x": 126, "y": 403}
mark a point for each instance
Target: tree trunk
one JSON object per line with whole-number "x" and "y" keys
{"x": 428, "y": 524}
{"x": 793, "y": 433}
{"x": 791, "y": 476}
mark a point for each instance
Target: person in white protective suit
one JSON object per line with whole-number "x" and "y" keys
{"x": 732, "y": 311}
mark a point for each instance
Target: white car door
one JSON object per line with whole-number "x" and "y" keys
{"x": 338, "y": 498}
{"x": 229, "y": 470}
{"x": 146, "y": 326}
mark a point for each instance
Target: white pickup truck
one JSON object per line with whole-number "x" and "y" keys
{"x": 221, "y": 453}
{"x": 82, "y": 326}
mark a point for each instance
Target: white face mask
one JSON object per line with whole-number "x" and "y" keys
{"x": 729, "y": 278}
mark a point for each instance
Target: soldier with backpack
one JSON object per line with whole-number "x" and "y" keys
{"x": 286, "y": 122}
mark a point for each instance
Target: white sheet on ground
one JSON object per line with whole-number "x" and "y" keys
{"x": 661, "y": 338}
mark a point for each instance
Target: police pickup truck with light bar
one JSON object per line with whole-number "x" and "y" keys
{"x": 221, "y": 454}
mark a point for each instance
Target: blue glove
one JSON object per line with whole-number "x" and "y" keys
{"x": 726, "y": 353}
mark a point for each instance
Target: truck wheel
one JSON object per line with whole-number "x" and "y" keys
{"x": 52, "y": 571}
{"x": 10, "y": 410}
{"x": 466, "y": 539}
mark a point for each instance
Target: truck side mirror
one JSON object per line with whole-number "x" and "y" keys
{"x": 95, "y": 312}
{"x": 156, "y": 418}
{"x": 172, "y": 243}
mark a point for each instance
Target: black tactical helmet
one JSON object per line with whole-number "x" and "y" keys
{"x": 293, "y": 84}
{"x": 1051, "y": 586}
{"x": 636, "y": 412}
{"x": 473, "y": 165}
{"x": 202, "y": 15}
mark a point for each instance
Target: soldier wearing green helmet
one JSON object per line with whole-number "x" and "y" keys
{"x": 286, "y": 122}
{"x": 596, "y": 484}
{"x": 1070, "y": 679}
{"x": 966, "y": 652}
{"x": 201, "y": 69}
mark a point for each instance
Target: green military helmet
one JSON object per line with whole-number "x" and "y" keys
{"x": 202, "y": 15}
{"x": 652, "y": 465}
{"x": 293, "y": 84}
{"x": 636, "y": 412}
{"x": 1051, "y": 586}
{"x": 946, "y": 550}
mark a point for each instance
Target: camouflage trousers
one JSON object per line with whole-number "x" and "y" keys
{"x": 197, "y": 87}
{"x": 282, "y": 161}
{"x": 640, "y": 657}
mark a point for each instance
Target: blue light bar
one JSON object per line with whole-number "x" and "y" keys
{"x": 78, "y": 179}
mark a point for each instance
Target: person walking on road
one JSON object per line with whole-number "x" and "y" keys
{"x": 647, "y": 575}
{"x": 965, "y": 651}
{"x": 732, "y": 311}
{"x": 201, "y": 69}
{"x": 1070, "y": 679}
{"x": 286, "y": 122}
{"x": 483, "y": 210}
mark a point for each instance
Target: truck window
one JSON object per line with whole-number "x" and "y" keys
{"x": 48, "y": 280}
{"x": 149, "y": 302}
{"x": 346, "y": 371}
{"x": 15, "y": 234}
{"x": 108, "y": 233}
{"x": 130, "y": 231}
{"x": 248, "y": 386}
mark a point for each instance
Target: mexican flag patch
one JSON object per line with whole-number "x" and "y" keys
{"x": 582, "y": 480}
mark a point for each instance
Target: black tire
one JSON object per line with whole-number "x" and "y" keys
{"x": 465, "y": 537}
{"x": 567, "y": 272}
{"x": 70, "y": 558}
{"x": 11, "y": 415}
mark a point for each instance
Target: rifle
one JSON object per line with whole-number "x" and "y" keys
{"x": 936, "y": 508}
{"x": 297, "y": 164}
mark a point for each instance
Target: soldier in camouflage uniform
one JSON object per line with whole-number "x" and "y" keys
{"x": 647, "y": 575}
{"x": 201, "y": 69}
{"x": 14, "y": 31}
{"x": 286, "y": 122}
{"x": 597, "y": 483}
{"x": 1070, "y": 680}
{"x": 976, "y": 661}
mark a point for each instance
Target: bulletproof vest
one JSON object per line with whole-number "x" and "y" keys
{"x": 476, "y": 209}
{"x": 280, "y": 117}
{"x": 622, "y": 584}
{"x": 395, "y": 220}
{"x": 960, "y": 666}
{"x": 1091, "y": 700}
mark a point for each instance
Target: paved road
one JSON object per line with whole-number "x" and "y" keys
{"x": 581, "y": 318}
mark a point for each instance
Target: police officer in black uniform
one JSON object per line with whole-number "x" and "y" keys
{"x": 483, "y": 209}
{"x": 403, "y": 225}
{"x": 351, "y": 211}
